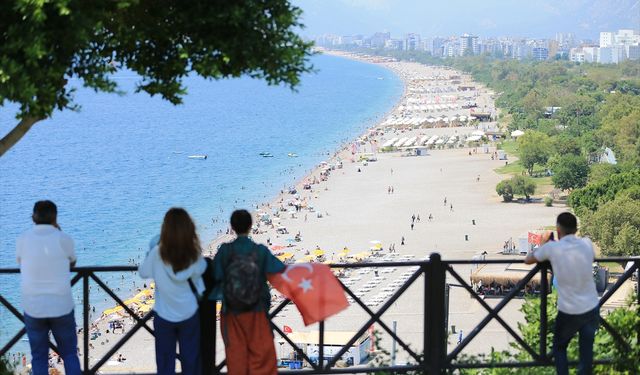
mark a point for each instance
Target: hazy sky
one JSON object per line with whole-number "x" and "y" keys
{"x": 532, "y": 18}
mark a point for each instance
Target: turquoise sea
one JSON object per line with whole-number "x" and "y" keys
{"x": 118, "y": 164}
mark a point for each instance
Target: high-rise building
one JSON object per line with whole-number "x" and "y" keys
{"x": 411, "y": 42}
{"x": 540, "y": 53}
{"x": 379, "y": 39}
{"x": 606, "y": 39}
{"x": 469, "y": 45}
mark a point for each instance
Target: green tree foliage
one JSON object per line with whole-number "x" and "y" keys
{"x": 48, "y": 43}
{"x": 517, "y": 185}
{"x": 570, "y": 172}
{"x": 602, "y": 171}
{"x": 589, "y": 198}
{"x": 505, "y": 190}
{"x": 533, "y": 148}
{"x": 615, "y": 226}
{"x": 620, "y": 117}
{"x": 624, "y": 320}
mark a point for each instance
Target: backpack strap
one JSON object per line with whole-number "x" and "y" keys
{"x": 194, "y": 290}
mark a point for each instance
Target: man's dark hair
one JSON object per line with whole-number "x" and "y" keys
{"x": 568, "y": 222}
{"x": 44, "y": 212}
{"x": 241, "y": 221}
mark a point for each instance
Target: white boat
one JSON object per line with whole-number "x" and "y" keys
{"x": 292, "y": 155}
{"x": 201, "y": 157}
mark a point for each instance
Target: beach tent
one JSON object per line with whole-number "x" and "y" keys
{"x": 517, "y": 133}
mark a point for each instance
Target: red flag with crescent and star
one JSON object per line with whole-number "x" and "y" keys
{"x": 313, "y": 288}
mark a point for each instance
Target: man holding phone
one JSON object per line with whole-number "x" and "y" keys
{"x": 578, "y": 311}
{"x": 45, "y": 255}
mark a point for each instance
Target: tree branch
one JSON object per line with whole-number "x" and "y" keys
{"x": 17, "y": 133}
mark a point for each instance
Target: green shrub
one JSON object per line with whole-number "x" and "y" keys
{"x": 548, "y": 201}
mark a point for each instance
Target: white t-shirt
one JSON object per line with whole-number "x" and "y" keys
{"x": 572, "y": 262}
{"x": 174, "y": 299}
{"x": 45, "y": 254}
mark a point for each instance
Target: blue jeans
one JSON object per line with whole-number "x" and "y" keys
{"x": 567, "y": 325}
{"x": 64, "y": 333}
{"x": 187, "y": 334}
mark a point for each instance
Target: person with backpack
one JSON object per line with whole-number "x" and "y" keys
{"x": 240, "y": 270}
{"x": 176, "y": 264}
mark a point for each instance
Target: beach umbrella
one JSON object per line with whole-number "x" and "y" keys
{"x": 344, "y": 251}
{"x": 112, "y": 310}
{"x": 517, "y": 133}
{"x": 318, "y": 252}
{"x": 277, "y": 248}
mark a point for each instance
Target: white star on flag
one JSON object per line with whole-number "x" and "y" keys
{"x": 305, "y": 284}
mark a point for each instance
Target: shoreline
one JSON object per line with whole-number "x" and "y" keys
{"x": 343, "y": 149}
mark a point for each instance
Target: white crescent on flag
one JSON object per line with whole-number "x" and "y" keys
{"x": 285, "y": 274}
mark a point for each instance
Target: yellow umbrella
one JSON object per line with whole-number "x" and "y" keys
{"x": 287, "y": 255}
{"x": 132, "y": 301}
{"x": 113, "y": 310}
{"x": 144, "y": 293}
{"x": 281, "y": 258}
{"x": 318, "y": 252}
{"x": 345, "y": 251}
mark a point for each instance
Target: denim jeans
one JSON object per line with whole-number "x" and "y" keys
{"x": 187, "y": 334}
{"x": 64, "y": 333}
{"x": 567, "y": 325}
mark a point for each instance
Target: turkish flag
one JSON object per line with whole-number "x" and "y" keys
{"x": 534, "y": 238}
{"x": 313, "y": 288}
{"x": 287, "y": 329}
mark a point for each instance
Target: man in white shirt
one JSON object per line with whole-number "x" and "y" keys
{"x": 578, "y": 312}
{"x": 45, "y": 255}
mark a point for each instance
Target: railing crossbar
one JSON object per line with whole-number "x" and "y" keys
{"x": 497, "y": 309}
{"x": 493, "y": 314}
{"x": 375, "y": 317}
{"x": 380, "y": 322}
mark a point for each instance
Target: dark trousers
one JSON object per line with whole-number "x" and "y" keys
{"x": 207, "y": 333}
{"x": 187, "y": 334}
{"x": 64, "y": 333}
{"x": 567, "y": 325}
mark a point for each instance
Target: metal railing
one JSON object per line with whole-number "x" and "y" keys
{"x": 436, "y": 357}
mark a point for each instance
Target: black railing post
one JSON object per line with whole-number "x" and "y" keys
{"x": 544, "y": 319}
{"x": 321, "y": 345}
{"x": 436, "y": 339}
{"x": 85, "y": 320}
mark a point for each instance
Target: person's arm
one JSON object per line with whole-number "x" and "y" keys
{"x": 541, "y": 254}
{"x": 272, "y": 264}
{"x": 145, "y": 270}
{"x": 67, "y": 244}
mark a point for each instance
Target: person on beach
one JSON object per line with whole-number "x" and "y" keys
{"x": 571, "y": 258}
{"x": 176, "y": 265}
{"x": 240, "y": 271}
{"x": 45, "y": 255}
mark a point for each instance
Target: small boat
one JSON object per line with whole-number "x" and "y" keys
{"x": 266, "y": 154}
{"x": 292, "y": 155}
{"x": 201, "y": 157}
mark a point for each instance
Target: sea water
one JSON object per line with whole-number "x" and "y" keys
{"x": 115, "y": 167}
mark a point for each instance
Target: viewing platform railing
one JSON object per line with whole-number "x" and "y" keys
{"x": 436, "y": 358}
